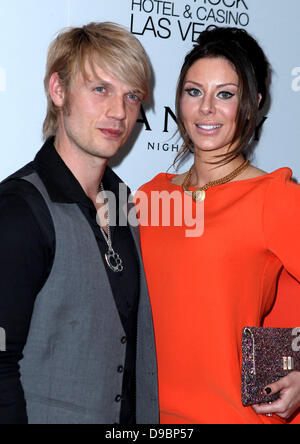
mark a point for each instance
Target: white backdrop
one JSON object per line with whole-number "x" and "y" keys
{"x": 167, "y": 30}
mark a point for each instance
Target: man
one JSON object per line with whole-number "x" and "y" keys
{"x": 73, "y": 297}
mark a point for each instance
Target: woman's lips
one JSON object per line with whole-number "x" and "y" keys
{"x": 208, "y": 128}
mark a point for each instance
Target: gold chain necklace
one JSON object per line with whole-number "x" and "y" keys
{"x": 200, "y": 193}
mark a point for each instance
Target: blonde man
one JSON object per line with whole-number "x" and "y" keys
{"x": 73, "y": 296}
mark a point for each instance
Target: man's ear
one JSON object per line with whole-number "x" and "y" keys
{"x": 56, "y": 90}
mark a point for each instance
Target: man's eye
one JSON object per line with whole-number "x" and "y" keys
{"x": 225, "y": 95}
{"x": 100, "y": 89}
{"x": 133, "y": 98}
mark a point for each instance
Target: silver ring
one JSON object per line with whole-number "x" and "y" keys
{"x": 269, "y": 415}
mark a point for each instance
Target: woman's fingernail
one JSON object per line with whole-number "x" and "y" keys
{"x": 268, "y": 391}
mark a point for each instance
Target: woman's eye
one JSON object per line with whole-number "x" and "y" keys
{"x": 194, "y": 92}
{"x": 225, "y": 95}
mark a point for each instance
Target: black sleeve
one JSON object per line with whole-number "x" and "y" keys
{"x": 25, "y": 263}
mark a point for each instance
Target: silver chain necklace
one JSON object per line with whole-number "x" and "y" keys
{"x": 112, "y": 258}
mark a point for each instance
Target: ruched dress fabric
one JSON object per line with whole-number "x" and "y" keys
{"x": 204, "y": 290}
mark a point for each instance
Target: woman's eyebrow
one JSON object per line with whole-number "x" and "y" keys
{"x": 221, "y": 85}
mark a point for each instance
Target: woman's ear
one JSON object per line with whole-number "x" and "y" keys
{"x": 56, "y": 90}
{"x": 259, "y": 99}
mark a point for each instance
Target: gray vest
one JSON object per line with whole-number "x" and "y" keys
{"x": 76, "y": 341}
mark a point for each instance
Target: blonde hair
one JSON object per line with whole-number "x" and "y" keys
{"x": 106, "y": 44}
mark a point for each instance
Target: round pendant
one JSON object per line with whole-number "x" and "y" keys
{"x": 198, "y": 195}
{"x": 114, "y": 261}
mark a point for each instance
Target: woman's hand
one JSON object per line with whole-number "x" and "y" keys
{"x": 289, "y": 401}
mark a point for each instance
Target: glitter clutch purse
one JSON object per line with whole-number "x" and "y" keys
{"x": 269, "y": 354}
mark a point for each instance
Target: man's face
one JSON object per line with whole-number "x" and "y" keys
{"x": 102, "y": 112}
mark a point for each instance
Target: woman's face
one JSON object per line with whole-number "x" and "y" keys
{"x": 209, "y": 104}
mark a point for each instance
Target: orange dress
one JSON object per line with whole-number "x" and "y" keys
{"x": 205, "y": 290}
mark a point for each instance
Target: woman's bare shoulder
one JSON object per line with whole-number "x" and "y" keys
{"x": 251, "y": 173}
{"x": 179, "y": 179}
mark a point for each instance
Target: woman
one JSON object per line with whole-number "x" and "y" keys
{"x": 206, "y": 289}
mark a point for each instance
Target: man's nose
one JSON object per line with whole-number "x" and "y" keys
{"x": 116, "y": 108}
